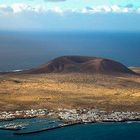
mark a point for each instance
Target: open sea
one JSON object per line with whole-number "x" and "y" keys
{"x": 24, "y": 50}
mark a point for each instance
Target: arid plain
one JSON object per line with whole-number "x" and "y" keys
{"x": 71, "y": 90}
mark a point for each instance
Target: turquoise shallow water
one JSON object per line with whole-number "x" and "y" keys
{"x": 102, "y": 131}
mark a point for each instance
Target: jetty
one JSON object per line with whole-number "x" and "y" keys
{"x": 47, "y": 129}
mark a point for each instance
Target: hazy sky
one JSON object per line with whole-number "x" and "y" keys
{"x": 63, "y": 15}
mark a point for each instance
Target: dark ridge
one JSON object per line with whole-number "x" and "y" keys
{"x": 82, "y": 64}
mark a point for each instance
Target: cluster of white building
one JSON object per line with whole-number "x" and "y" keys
{"x": 73, "y": 115}
{"x": 23, "y": 114}
{"x": 94, "y": 115}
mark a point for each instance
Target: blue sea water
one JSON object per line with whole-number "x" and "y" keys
{"x": 101, "y": 131}
{"x": 24, "y": 50}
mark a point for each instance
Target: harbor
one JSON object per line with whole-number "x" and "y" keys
{"x": 79, "y": 131}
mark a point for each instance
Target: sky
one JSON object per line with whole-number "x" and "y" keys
{"x": 70, "y": 15}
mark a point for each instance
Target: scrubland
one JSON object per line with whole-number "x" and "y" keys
{"x": 71, "y": 90}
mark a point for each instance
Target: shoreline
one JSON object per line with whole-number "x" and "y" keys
{"x": 67, "y": 117}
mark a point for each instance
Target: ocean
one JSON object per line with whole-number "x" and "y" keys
{"x": 25, "y": 50}
{"x": 101, "y": 131}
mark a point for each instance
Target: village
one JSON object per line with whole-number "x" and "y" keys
{"x": 95, "y": 115}
{"x": 73, "y": 115}
{"x": 11, "y": 115}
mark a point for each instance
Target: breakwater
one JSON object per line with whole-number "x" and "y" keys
{"x": 47, "y": 129}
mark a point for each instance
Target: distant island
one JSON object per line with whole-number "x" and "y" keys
{"x": 82, "y": 64}
{"x": 72, "y": 88}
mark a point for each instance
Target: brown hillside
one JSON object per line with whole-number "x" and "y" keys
{"x": 83, "y": 64}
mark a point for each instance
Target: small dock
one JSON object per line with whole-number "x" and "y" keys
{"x": 13, "y": 127}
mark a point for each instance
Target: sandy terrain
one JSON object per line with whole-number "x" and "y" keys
{"x": 73, "y": 90}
